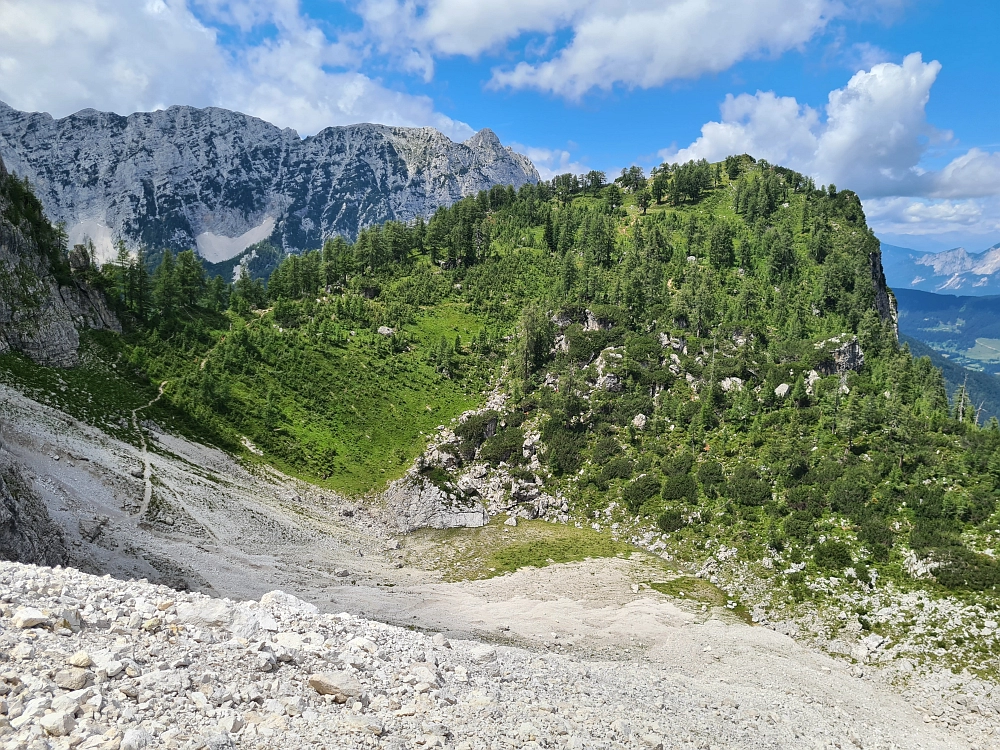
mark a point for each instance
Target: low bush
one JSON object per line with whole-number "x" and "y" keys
{"x": 636, "y": 493}
{"x": 747, "y": 488}
{"x": 506, "y": 446}
{"x": 678, "y": 487}
{"x": 832, "y": 556}
{"x": 670, "y": 520}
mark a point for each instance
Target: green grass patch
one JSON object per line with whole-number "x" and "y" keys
{"x": 496, "y": 549}
{"x": 985, "y": 350}
{"x": 699, "y": 591}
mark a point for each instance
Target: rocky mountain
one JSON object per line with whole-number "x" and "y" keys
{"x": 221, "y": 181}
{"x": 954, "y": 271}
{"x": 44, "y": 300}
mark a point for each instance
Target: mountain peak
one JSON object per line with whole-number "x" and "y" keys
{"x": 221, "y": 181}
{"x": 484, "y": 137}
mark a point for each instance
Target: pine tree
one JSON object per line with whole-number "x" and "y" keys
{"x": 167, "y": 294}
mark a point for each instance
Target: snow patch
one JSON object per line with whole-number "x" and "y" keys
{"x": 100, "y": 234}
{"x": 216, "y": 248}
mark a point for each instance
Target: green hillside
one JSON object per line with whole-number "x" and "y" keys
{"x": 683, "y": 343}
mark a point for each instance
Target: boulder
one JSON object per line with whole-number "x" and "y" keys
{"x": 205, "y": 613}
{"x": 483, "y": 653}
{"x": 58, "y": 724}
{"x": 731, "y": 384}
{"x": 281, "y": 600}
{"x": 166, "y": 681}
{"x": 136, "y": 738}
{"x": 28, "y": 617}
{"x": 71, "y": 702}
{"x": 80, "y": 659}
{"x": 341, "y": 685}
{"x": 72, "y": 679}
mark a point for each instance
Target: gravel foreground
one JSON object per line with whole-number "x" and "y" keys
{"x": 102, "y": 664}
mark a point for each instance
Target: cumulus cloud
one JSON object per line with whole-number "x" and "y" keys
{"x": 600, "y": 43}
{"x": 934, "y": 218}
{"x": 647, "y": 46}
{"x": 129, "y": 55}
{"x": 871, "y": 136}
{"x": 551, "y": 162}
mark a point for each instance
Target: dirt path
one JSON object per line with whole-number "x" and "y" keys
{"x": 147, "y": 467}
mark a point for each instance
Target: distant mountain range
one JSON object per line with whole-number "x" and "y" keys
{"x": 951, "y": 272}
{"x": 221, "y": 181}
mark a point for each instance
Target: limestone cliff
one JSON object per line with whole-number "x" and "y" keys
{"x": 221, "y": 181}
{"x": 43, "y": 304}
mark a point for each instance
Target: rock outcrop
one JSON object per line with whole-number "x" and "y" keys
{"x": 222, "y": 181}
{"x": 27, "y": 533}
{"x": 40, "y": 315}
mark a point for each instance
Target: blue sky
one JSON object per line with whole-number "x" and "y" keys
{"x": 896, "y": 99}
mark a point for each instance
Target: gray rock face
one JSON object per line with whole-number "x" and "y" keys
{"x": 221, "y": 181}
{"x": 27, "y": 532}
{"x": 39, "y": 316}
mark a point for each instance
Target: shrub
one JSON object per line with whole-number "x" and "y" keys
{"x": 850, "y": 494}
{"x": 809, "y": 500}
{"x": 832, "y": 556}
{"x": 711, "y": 478}
{"x": 747, "y": 488}
{"x": 680, "y": 487}
{"x": 564, "y": 449}
{"x": 670, "y": 520}
{"x": 981, "y": 506}
{"x": 960, "y": 568}
{"x": 617, "y": 468}
{"x": 935, "y": 533}
{"x": 875, "y": 531}
{"x": 799, "y": 526}
{"x": 503, "y": 447}
{"x": 637, "y": 492}
{"x": 606, "y": 449}
{"x": 474, "y": 430}
{"x": 678, "y": 465}
{"x": 927, "y": 501}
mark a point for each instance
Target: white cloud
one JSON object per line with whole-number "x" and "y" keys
{"x": 928, "y": 217}
{"x": 647, "y": 44}
{"x": 129, "y": 55}
{"x": 642, "y": 43}
{"x": 770, "y": 127}
{"x": 551, "y": 162}
{"x": 871, "y": 137}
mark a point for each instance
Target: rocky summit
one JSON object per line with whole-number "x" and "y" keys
{"x": 221, "y": 181}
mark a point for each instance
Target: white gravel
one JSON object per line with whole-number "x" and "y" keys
{"x": 167, "y": 669}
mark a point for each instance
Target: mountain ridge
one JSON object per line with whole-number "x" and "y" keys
{"x": 220, "y": 181}
{"x": 955, "y": 271}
